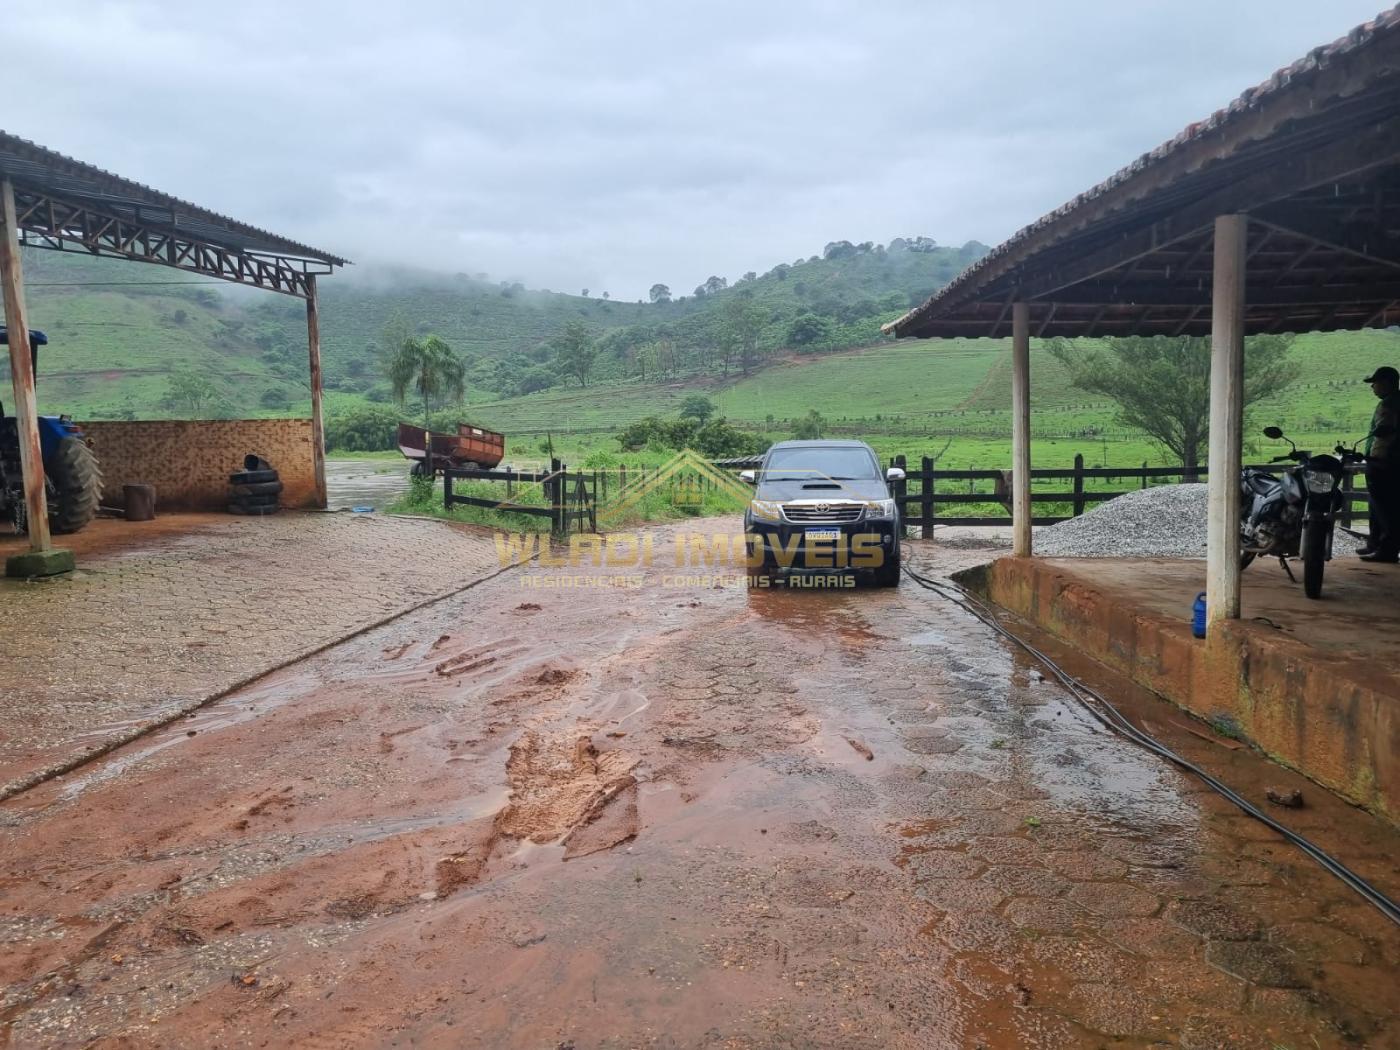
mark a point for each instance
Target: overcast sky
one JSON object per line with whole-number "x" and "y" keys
{"x": 611, "y": 145}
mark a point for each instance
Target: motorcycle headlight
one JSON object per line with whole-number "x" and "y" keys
{"x": 881, "y": 510}
{"x": 766, "y": 510}
{"x": 1319, "y": 481}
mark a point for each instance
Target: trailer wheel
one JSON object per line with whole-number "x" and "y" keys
{"x": 76, "y": 485}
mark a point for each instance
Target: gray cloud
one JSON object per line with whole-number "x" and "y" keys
{"x": 610, "y": 146}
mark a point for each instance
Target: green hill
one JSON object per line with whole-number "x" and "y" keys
{"x": 121, "y": 332}
{"x": 123, "y": 335}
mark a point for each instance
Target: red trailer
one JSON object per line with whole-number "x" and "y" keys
{"x": 471, "y": 446}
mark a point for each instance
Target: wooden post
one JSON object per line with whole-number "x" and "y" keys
{"x": 446, "y": 490}
{"x": 1021, "y": 429}
{"x": 1348, "y": 484}
{"x": 901, "y": 489}
{"x": 318, "y": 426}
{"x": 31, "y": 455}
{"x": 1226, "y": 416}
{"x": 1078, "y": 484}
{"x": 926, "y": 503}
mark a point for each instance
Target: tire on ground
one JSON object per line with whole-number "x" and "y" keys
{"x": 258, "y": 488}
{"x": 255, "y": 510}
{"x": 252, "y": 477}
{"x": 77, "y": 485}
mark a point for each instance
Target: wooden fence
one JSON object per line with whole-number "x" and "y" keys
{"x": 926, "y": 494}
{"x": 570, "y": 500}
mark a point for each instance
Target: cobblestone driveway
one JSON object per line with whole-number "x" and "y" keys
{"x": 145, "y": 630}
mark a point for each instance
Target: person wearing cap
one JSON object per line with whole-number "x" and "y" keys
{"x": 1383, "y": 468}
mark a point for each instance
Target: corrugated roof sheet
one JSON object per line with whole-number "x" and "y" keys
{"x": 53, "y": 172}
{"x": 1290, "y": 77}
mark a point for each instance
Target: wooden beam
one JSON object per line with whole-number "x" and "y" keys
{"x": 1226, "y": 420}
{"x": 31, "y": 456}
{"x": 318, "y": 427}
{"x": 1021, "y": 429}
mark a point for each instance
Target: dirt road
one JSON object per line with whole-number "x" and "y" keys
{"x": 677, "y": 815}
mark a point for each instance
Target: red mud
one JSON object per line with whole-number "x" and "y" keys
{"x": 620, "y": 819}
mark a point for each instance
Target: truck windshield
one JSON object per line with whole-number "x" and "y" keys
{"x": 819, "y": 464}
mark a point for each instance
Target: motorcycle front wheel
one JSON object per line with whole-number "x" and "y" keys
{"x": 1313, "y": 549}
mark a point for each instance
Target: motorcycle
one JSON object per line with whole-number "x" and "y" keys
{"x": 1293, "y": 514}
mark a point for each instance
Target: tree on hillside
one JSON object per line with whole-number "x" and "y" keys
{"x": 660, "y": 293}
{"x": 810, "y": 427}
{"x": 716, "y": 284}
{"x": 808, "y": 328}
{"x": 1161, "y": 384}
{"x": 584, "y": 293}
{"x": 190, "y": 393}
{"x": 697, "y": 407}
{"x": 431, "y": 368}
{"x": 577, "y": 350}
{"x": 741, "y": 326}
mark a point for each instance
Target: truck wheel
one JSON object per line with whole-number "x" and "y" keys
{"x": 1314, "y": 551}
{"x": 887, "y": 575}
{"x": 77, "y": 485}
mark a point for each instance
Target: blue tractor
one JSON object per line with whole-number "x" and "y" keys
{"x": 73, "y": 481}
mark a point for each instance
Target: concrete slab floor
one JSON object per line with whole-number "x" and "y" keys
{"x": 160, "y": 615}
{"x": 1358, "y": 614}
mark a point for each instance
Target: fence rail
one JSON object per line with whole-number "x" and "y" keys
{"x": 570, "y": 499}
{"x": 919, "y": 506}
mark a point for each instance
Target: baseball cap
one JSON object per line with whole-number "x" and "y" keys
{"x": 1382, "y": 374}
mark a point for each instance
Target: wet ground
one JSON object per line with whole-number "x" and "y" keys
{"x": 163, "y": 614}
{"x": 365, "y": 482}
{"x": 547, "y": 813}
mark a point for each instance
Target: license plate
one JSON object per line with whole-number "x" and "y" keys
{"x": 824, "y": 534}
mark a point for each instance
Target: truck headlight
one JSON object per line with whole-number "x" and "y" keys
{"x": 881, "y": 510}
{"x": 766, "y": 510}
{"x": 1319, "y": 481}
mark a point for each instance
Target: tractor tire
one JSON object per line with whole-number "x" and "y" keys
{"x": 253, "y": 510}
{"x": 252, "y": 477}
{"x": 259, "y": 488}
{"x": 75, "y": 485}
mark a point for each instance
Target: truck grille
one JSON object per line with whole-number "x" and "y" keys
{"x": 835, "y": 513}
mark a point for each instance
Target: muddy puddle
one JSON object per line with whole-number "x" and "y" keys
{"x": 532, "y": 816}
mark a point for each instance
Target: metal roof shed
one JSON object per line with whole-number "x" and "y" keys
{"x": 1278, "y": 213}
{"x": 48, "y": 200}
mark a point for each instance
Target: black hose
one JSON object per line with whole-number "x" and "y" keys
{"x": 1106, "y": 714}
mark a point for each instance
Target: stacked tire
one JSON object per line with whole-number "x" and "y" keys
{"x": 255, "y": 490}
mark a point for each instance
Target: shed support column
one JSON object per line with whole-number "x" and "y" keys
{"x": 318, "y": 427}
{"x": 1226, "y": 419}
{"x": 22, "y": 373}
{"x": 1021, "y": 429}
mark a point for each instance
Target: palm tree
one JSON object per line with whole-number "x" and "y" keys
{"x": 430, "y": 367}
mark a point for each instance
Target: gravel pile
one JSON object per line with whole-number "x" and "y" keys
{"x": 1168, "y": 521}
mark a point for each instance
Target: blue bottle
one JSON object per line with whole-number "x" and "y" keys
{"x": 1198, "y": 616}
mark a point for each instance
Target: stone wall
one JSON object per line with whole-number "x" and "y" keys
{"x": 189, "y": 462}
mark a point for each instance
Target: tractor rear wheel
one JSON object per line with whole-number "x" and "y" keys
{"x": 75, "y": 485}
